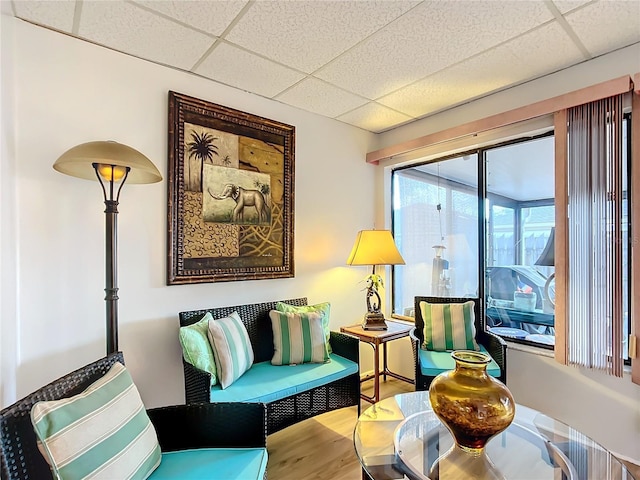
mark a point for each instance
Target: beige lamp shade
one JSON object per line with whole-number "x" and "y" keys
{"x": 78, "y": 161}
{"x": 375, "y": 247}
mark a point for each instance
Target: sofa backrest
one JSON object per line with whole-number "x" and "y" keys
{"x": 255, "y": 318}
{"x": 20, "y": 458}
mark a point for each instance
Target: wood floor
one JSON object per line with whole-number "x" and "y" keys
{"x": 321, "y": 448}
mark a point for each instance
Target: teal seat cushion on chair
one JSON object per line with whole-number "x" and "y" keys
{"x": 433, "y": 363}
{"x": 213, "y": 464}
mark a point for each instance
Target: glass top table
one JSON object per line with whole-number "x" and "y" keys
{"x": 400, "y": 438}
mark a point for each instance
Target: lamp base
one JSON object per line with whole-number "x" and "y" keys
{"x": 374, "y": 321}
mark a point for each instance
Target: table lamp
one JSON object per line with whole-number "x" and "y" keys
{"x": 112, "y": 164}
{"x": 374, "y": 247}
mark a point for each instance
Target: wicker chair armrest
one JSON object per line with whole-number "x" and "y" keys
{"x": 345, "y": 345}
{"x": 197, "y": 384}
{"x": 497, "y": 348}
{"x": 414, "y": 338}
{"x": 210, "y": 425}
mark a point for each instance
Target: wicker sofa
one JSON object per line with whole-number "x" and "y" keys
{"x": 334, "y": 385}
{"x": 219, "y": 434}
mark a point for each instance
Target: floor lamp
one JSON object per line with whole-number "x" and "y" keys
{"x": 112, "y": 164}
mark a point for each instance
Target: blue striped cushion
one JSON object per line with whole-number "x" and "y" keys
{"x": 231, "y": 348}
{"x": 449, "y": 326}
{"x": 298, "y": 338}
{"x": 103, "y": 432}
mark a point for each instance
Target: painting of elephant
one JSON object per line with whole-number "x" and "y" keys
{"x": 244, "y": 198}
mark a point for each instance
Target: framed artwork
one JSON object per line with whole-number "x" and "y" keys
{"x": 231, "y": 198}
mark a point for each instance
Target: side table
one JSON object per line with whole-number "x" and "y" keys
{"x": 375, "y": 338}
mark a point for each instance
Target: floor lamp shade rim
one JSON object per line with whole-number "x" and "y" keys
{"x": 78, "y": 161}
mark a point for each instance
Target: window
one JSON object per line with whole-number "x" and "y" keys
{"x": 435, "y": 205}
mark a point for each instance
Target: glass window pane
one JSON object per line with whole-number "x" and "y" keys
{"x": 435, "y": 225}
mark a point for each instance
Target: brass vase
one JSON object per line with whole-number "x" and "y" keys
{"x": 474, "y": 407}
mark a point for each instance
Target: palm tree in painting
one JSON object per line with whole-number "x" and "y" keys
{"x": 203, "y": 149}
{"x": 226, "y": 160}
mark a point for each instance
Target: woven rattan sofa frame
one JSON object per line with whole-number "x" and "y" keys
{"x": 179, "y": 427}
{"x": 495, "y": 345}
{"x": 287, "y": 411}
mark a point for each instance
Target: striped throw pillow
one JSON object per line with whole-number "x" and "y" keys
{"x": 324, "y": 309}
{"x": 103, "y": 432}
{"x": 231, "y": 348}
{"x": 298, "y": 338}
{"x": 449, "y": 326}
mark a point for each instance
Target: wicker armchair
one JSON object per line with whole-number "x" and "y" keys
{"x": 180, "y": 427}
{"x": 343, "y": 392}
{"x": 495, "y": 345}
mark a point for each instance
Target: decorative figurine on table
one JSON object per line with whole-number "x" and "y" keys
{"x": 373, "y": 319}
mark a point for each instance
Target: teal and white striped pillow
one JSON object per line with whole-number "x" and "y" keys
{"x": 449, "y": 326}
{"x": 298, "y": 338}
{"x": 231, "y": 348}
{"x": 103, "y": 432}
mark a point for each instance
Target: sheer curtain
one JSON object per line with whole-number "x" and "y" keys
{"x": 594, "y": 303}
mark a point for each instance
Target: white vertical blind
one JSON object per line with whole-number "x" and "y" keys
{"x": 595, "y": 235}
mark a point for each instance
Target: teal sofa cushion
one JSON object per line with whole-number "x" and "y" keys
{"x": 433, "y": 363}
{"x": 266, "y": 383}
{"x": 213, "y": 464}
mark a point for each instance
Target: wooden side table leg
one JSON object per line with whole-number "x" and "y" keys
{"x": 384, "y": 364}
{"x": 376, "y": 373}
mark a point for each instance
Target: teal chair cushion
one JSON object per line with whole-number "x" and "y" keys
{"x": 266, "y": 383}
{"x": 213, "y": 464}
{"x": 433, "y": 363}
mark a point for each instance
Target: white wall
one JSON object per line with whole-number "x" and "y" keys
{"x": 68, "y": 92}
{"x": 605, "y": 408}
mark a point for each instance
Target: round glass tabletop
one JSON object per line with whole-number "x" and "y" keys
{"x": 401, "y": 438}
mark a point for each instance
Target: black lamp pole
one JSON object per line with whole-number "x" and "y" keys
{"x": 111, "y": 250}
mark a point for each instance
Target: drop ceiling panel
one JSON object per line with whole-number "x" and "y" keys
{"x": 620, "y": 16}
{"x": 58, "y": 15}
{"x": 199, "y": 14}
{"x": 374, "y": 117}
{"x": 320, "y": 97}
{"x": 409, "y": 58}
{"x": 307, "y": 34}
{"x": 141, "y": 33}
{"x": 233, "y": 66}
{"x": 433, "y": 36}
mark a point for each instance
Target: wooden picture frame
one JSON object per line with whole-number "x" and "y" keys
{"x": 230, "y": 194}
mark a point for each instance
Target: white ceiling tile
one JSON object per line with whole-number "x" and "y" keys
{"x": 202, "y": 14}
{"x": 537, "y": 53}
{"x": 307, "y": 34}
{"x": 430, "y": 37}
{"x": 138, "y": 32}
{"x": 595, "y": 23}
{"x": 320, "y": 97}
{"x": 565, "y": 6}
{"x": 233, "y": 66}
{"x": 374, "y": 117}
{"x": 58, "y": 15}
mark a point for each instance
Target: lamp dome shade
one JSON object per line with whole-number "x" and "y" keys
{"x": 78, "y": 161}
{"x": 375, "y": 247}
